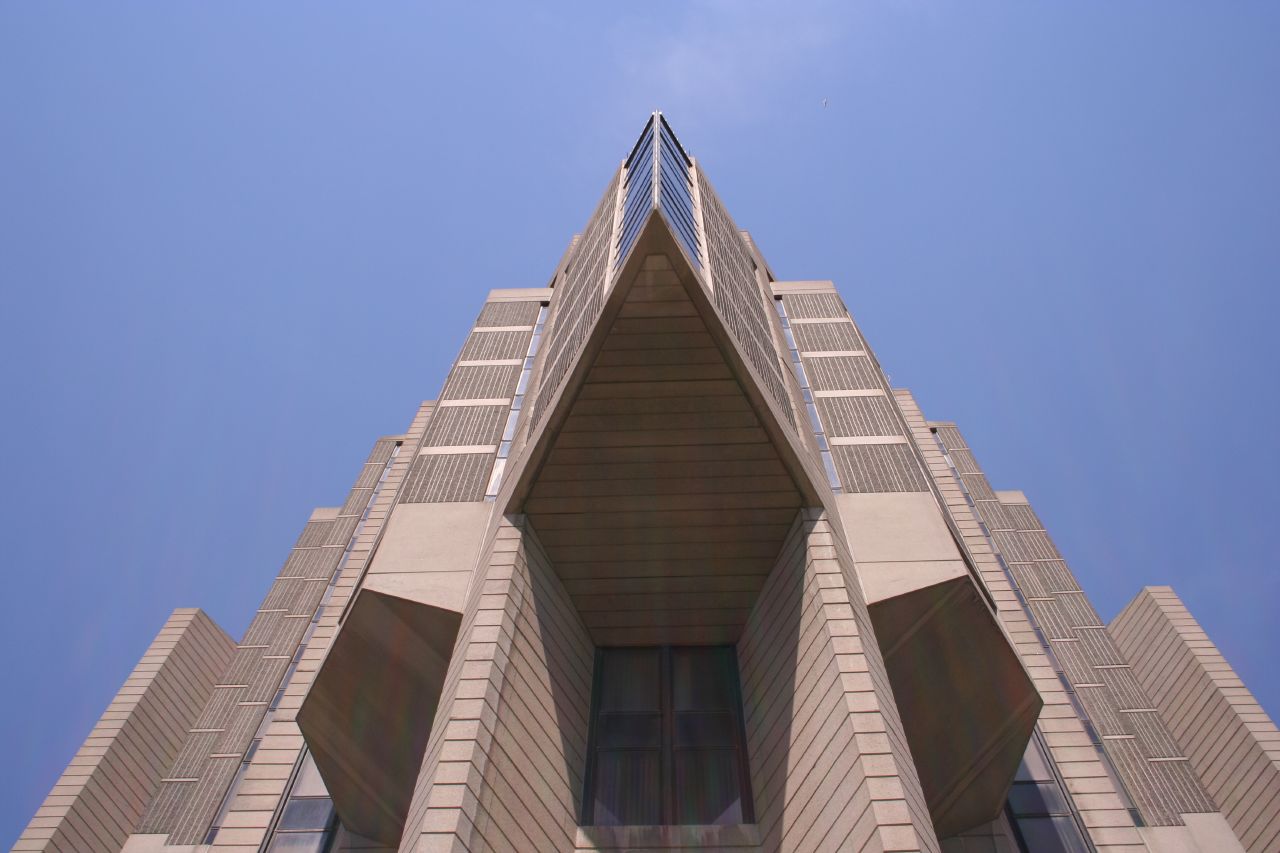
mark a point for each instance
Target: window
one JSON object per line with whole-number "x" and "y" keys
{"x": 667, "y": 743}
{"x": 1039, "y": 811}
{"x": 308, "y": 822}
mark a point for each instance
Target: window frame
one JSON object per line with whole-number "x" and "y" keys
{"x": 666, "y": 753}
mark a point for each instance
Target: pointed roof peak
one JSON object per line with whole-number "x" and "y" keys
{"x": 659, "y": 121}
{"x": 659, "y": 175}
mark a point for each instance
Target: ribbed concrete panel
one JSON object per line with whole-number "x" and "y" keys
{"x": 579, "y": 299}
{"x": 840, "y": 336}
{"x": 842, "y": 373}
{"x": 1136, "y": 742}
{"x": 504, "y": 763}
{"x": 830, "y": 765}
{"x": 1093, "y": 788}
{"x": 97, "y": 801}
{"x": 256, "y": 800}
{"x": 489, "y": 381}
{"x": 851, "y": 394}
{"x": 1142, "y": 749}
{"x": 460, "y": 426}
{"x": 195, "y": 785}
{"x": 858, "y": 416}
{"x": 485, "y": 345}
{"x": 804, "y": 306}
{"x": 504, "y": 313}
{"x": 878, "y": 468}
{"x": 447, "y": 478}
{"x": 1232, "y": 743}
{"x": 739, "y": 298}
{"x": 480, "y": 392}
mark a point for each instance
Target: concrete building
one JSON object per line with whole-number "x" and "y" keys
{"x": 668, "y": 565}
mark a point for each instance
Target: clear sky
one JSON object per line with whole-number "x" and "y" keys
{"x": 239, "y": 241}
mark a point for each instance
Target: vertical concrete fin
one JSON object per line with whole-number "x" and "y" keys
{"x": 503, "y": 765}
{"x": 830, "y": 764}
{"x": 99, "y": 798}
{"x": 1230, "y": 741}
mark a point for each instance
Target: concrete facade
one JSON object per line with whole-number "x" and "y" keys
{"x": 1229, "y": 740}
{"x": 669, "y": 447}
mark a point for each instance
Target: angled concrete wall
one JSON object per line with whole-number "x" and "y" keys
{"x": 503, "y": 767}
{"x": 830, "y": 765}
{"x": 1230, "y": 740}
{"x": 99, "y": 798}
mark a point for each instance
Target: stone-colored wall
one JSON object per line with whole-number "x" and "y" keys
{"x": 503, "y": 768}
{"x": 99, "y": 798}
{"x": 257, "y": 798}
{"x": 1092, "y": 788}
{"x": 1232, "y": 744}
{"x": 830, "y": 765}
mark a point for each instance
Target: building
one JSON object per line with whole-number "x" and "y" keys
{"x": 669, "y": 565}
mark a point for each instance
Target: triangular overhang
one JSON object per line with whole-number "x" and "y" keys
{"x": 662, "y": 478}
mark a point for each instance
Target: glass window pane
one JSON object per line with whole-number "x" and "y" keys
{"x": 707, "y": 789}
{"x": 627, "y": 790}
{"x": 1037, "y": 798}
{"x": 706, "y": 729}
{"x": 1051, "y": 835}
{"x": 620, "y": 731}
{"x": 299, "y": 842}
{"x": 702, "y": 678}
{"x": 309, "y": 783}
{"x": 630, "y": 680}
{"x": 307, "y": 814}
{"x": 1034, "y": 766}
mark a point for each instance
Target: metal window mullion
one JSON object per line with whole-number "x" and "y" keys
{"x": 666, "y": 763}
{"x": 696, "y": 191}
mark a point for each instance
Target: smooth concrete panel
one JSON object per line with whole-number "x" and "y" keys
{"x": 894, "y": 526}
{"x": 1203, "y": 833}
{"x": 429, "y": 551}
{"x": 883, "y": 581}
{"x": 899, "y": 541}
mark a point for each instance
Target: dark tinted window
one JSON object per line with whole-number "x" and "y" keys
{"x": 667, "y": 739}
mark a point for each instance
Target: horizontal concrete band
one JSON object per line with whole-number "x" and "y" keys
{"x": 476, "y": 401}
{"x": 832, "y": 353}
{"x": 867, "y": 439}
{"x": 860, "y": 392}
{"x": 520, "y": 294}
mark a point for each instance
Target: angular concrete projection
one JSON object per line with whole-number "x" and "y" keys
{"x": 943, "y": 648}
{"x": 428, "y": 552}
{"x": 368, "y": 714}
{"x": 663, "y": 482}
{"x": 668, "y": 446}
{"x": 1228, "y": 737}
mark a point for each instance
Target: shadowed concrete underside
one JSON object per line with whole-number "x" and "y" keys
{"x": 662, "y": 498}
{"x": 369, "y": 710}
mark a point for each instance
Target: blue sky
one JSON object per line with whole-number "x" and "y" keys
{"x": 239, "y": 241}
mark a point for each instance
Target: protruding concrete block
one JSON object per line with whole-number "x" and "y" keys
{"x": 368, "y": 714}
